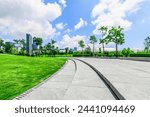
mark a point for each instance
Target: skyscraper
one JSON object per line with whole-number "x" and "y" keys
{"x": 29, "y": 41}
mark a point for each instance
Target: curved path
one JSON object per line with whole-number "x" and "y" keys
{"x": 76, "y": 81}
{"x": 131, "y": 78}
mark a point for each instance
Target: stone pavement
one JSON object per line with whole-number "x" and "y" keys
{"x": 71, "y": 83}
{"x": 131, "y": 78}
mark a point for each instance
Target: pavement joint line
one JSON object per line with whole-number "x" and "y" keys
{"x": 73, "y": 75}
{"x": 112, "y": 89}
{"x": 40, "y": 84}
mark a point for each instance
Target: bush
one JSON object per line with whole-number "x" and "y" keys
{"x": 79, "y": 54}
{"x": 126, "y": 52}
{"x": 139, "y": 55}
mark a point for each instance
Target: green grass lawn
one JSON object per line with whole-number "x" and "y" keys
{"x": 19, "y": 73}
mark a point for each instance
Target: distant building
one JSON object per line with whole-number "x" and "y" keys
{"x": 75, "y": 49}
{"x": 62, "y": 50}
{"x": 29, "y": 45}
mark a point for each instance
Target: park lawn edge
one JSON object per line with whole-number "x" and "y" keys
{"x": 40, "y": 83}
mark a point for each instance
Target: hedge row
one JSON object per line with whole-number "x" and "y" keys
{"x": 139, "y": 55}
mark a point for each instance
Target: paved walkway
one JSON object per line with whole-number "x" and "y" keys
{"x": 71, "y": 83}
{"x": 131, "y": 78}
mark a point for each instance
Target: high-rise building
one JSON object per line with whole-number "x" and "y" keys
{"x": 29, "y": 41}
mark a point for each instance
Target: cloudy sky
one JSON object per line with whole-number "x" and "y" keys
{"x": 68, "y": 21}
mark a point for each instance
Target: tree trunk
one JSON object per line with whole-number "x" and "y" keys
{"x": 103, "y": 49}
{"x": 93, "y": 49}
{"x": 116, "y": 50}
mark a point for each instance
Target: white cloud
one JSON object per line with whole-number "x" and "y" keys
{"x": 70, "y": 42}
{"x": 67, "y": 31}
{"x": 63, "y": 2}
{"x": 81, "y": 24}
{"x": 60, "y": 26}
{"x": 114, "y": 13}
{"x": 18, "y": 17}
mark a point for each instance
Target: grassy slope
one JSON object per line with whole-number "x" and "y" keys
{"x": 18, "y": 74}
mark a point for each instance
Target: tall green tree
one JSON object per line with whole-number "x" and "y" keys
{"x": 93, "y": 40}
{"x": 117, "y": 36}
{"x": 103, "y": 39}
{"x": 67, "y": 50}
{"x": 57, "y": 50}
{"x": 38, "y": 41}
{"x": 23, "y": 45}
{"x": 82, "y": 45}
{"x": 49, "y": 48}
{"x": 53, "y": 45}
{"x": 1, "y": 43}
{"x": 8, "y": 47}
{"x": 17, "y": 41}
{"x": 147, "y": 44}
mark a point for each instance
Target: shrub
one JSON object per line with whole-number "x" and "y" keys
{"x": 126, "y": 52}
{"x": 139, "y": 55}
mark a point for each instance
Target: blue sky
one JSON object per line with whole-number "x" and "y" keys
{"x": 58, "y": 16}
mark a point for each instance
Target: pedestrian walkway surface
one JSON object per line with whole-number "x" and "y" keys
{"x": 73, "y": 82}
{"x": 131, "y": 78}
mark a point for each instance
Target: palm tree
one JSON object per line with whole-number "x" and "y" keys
{"x": 93, "y": 40}
{"x": 115, "y": 35}
{"x": 82, "y": 45}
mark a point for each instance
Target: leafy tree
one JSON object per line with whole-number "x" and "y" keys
{"x": 23, "y": 46}
{"x": 88, "y": 50}
{"x": 53, "y": 43}
{"x": 57, "y": 50}
{"x": 147, "y": 44}
{"x": 49, "y": 48}
{"x": 17, "y": 43}
{"x": 81, "y": 44}
{"x": 53, "y": 46}
{"x": 67, "y": 49}
{"x": 103, "y": 40}
{"x": 115, "y": 35}
{"x": 38, "y": 41}
{"x": 8, "y": 47}
{"x": 1, "y": 43}
{"x": 93, "y": 40}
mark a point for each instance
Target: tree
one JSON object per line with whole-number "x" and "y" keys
{"x": 8, "y": 47}
{"x": 16, "y": 43}
{"x": 88, "y": 50}
{"x": 67, "y": 49}
{"x": 38, "y": 41}
{"x": 147, "y": 44}
{"x": 49, "y": 48}
{"x": 93, "y": 40}
{"x": 82, "y": 45}
{"x": 115, "y": 35}
{"x": 23, "y": 46}
{"x": 1, "y": 43}
{"x": 103, "y": 40}
{"x": 53, "y": 46}
{"x": 57, "y": 50}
